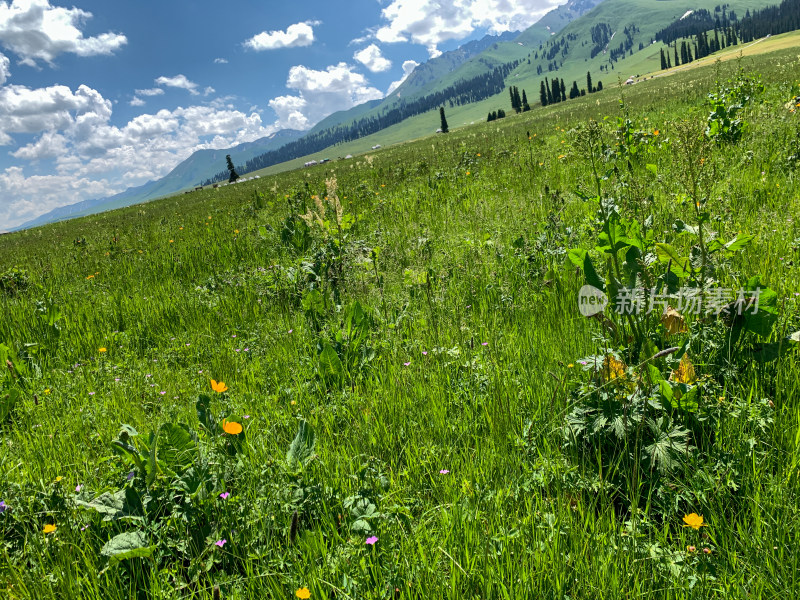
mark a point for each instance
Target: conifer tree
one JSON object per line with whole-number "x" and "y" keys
{"x": 234, "y": 175}
{"x": 542, "y": 94}
{"x": 445, "y": 128}
{"x": 589, "y": 87}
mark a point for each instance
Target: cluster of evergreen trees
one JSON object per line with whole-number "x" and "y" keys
{"x": 554, "y": 91}
{"x": 518, "y": 103}
{"x": 703, "y": 34}
{"x": 461, "y": 92}
{"x": 496, "y": 114}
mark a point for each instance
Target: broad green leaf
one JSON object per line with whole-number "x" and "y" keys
{"x": 122, "y": 504}
{"x": 205, "y": 416}
{"x": 302, "y": 447}
{"x": 667, "y": 253}
{"x": 330, "y": 365}
{"x": 740, "y": 242}
{"x": 176, "y": 448}
{"x": 131, "y": 544}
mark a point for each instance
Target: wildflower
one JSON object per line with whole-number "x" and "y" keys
{"x": 673, "y": 321}
{"x": 613, "y": 368}
{"x": 224, "y": 495}
{"x": 171, "y": 241}
{"x": 57, "y": 479}
{"x": 3, "y": 506}
{"x": 406, "y": 363}
{"x": 221, "y": 543}
{"x": 46, "y": 391}
{"x": 467, "y": 172}
{"x": 303, "y": 593}
{"x": 246, "y": 417}
{"x": 235, "y": 231}
{"x": 219, "y": 387}
{"x": 443, "y": 472}
{"x": 90, "y": 277}
{"x": 484, "y": 343}
{"x": 656, "y": 132}
{"x": 694, "y": 521}
{"x": 371, "y": 540}
{"x": 49, "y": 528}
{"x": 570, "y": 365}
{"x": 231, "y": 427}
{"x": 424, "y": 353}
{"x": 130, "y": 475}
{"x": 102, "y": 350}
{"x": 691, "y": 549}
{"x": 78, "y": 487}
{"x": 685, "y": 372}
{"x": 706, "y": 550}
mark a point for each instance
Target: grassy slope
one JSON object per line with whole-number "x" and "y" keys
{"x": 192, "y": 289}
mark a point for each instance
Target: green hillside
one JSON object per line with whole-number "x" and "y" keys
{"x": 378, "y": 378}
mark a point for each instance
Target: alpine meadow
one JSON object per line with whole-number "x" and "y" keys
{"x": 551, "y": 355}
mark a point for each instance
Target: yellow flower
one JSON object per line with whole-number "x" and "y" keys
{"x": 303, "y": 593}
{"x": 694, "y": 521}
{"x": 46, "y": 391}
{"x": 219, "y": 387}
{"x": 102, "y": 350}
{"x": 57, "y": 479}
{"x": 235, "y": 231}
{"x": 570, "y": 365}
{"x": 478, "y": 154}
{"x": 673, "y": 321}
{"x": 467, "y": 172}
{"x": 560, "y": 156}
{"x": 613, "y": 368}
{"x": 171, "y": 241}
{"x": 231, "y": 427}
{"x": 656, "y": 132}
{"x": 685, "y": 372}
{"x": 49, "y": 528}
{"x": 90, "y": 277}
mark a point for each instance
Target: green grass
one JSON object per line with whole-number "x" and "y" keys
{"x": 455, "y": 246}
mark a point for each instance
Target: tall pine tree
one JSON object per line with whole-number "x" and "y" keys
{"x": 445, "y": 128}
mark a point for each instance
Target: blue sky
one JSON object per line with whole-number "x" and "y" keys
{"x": 97, "y": 96}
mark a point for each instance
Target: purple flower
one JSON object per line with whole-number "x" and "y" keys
{"x": 485, "y": 344}
{"x": 234, "y": 335}
{"x": 91, "y": 393}
{"x": 406, "y": 364}
{"x": 221, "y": 543}
{"x": 291, "y": 330}
{"x": 371, "y": 540}
{"x": 3, "y": 506}
{"x": 116, "y": 379}
{"x": 84, "y": 527}
{"x": 162, "y": 392}
{"x": 78, "y": 487}
{"x": 424, "y": 353}
{"x": 224, "y": 495}
{"x": 130, "y": 475}
{"x": 246, "y": 417}
{"x": 443, "y": 472}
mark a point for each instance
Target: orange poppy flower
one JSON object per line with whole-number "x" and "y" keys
{"x": 219, "y": 387}
{"x": 231, "y": 427}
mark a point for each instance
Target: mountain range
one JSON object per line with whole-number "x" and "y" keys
{"x": 568, "y": 41}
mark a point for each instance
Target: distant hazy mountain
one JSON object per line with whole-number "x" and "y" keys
{"x": 200, "y": 166}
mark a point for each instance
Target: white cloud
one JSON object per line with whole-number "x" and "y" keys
{"x": 150, "y": 92}
{"x": 299, "y": 34}
{"x": 321, "y": 93}
{"x": 136, "y": 101}
{"x": 5, "y": 68}
{"x": 408, "y": 68}
{"x": 431, "y": 22}
{"x": 179, "y": 81}
{"x": 26, "y": 110}
{"x": 35, "y": 30}
{"x": 220, "y": 61}
{"x": 94, "y": 158}
{"x": 372, "y": 58}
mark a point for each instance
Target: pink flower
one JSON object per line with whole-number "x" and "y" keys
{"x": 78, "y": 487}
{"x": 406, "y": 364}
{"x": 443, "y": 472}
{"x": 371, "y": 540}
{"x": 224, "y": 495}
{"x": 221, "y": 543}
{"x": 424, "y": 353}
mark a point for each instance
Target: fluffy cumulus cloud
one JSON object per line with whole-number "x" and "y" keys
{"x": 179, "y": 81}
{"x": 93, "y": 158}
{"x": 37, "y": 31}
{"x": 408, "y": 68}
{"x": 299, "y": 34}
{"x": 431, "y": 22}
{"x": 321, "y": 93}
{"x": 5, "y": 70}
{"x": 372, "y": 58}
